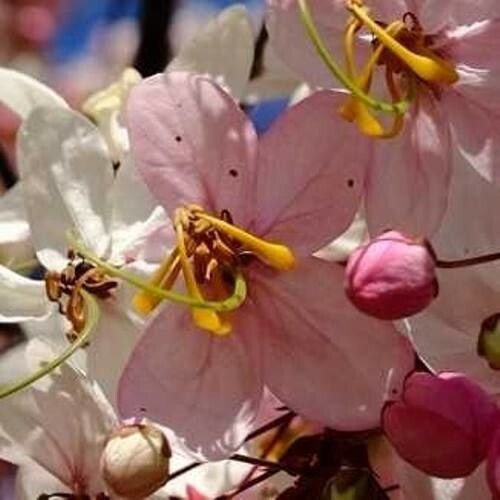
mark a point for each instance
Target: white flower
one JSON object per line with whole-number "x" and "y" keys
{"x": 56, "y": 431}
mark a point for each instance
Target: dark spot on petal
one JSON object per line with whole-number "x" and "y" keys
{"x": 142, "y": 408}
{"x": 350, "y": 183}
{"x": 233, "y": 172}
{"x": 178, "y": 138}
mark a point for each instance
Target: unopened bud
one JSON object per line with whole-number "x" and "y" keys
{"x": 493, "y": 466}
{"x": 391, "y": 277}
{"x": 443, "y": 424}
{"x": 135, "y": 461}
{"x": 488, "y": 344}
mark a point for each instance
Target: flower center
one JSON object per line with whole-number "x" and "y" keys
{"x": 65, "y": 289}
{"x": 209, "y": 253}
{"x": 405, "y": 53}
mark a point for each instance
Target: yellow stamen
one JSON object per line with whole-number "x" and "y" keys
{"x": 164, "y": 277}
{"x": 431, "y": 69}
{"x": 356, "y": 111}
{"x": 203, "y": 318}
{"x": 274, "y": 254}
{"x": 352, "y": 28}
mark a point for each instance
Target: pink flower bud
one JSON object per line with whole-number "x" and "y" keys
{"x": 391, "y": 277}
{"x": 493, "y": 466}
{"x": 442, "y": 425}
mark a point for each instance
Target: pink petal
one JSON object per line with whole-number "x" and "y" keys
{"x": 408, "y": 183}
{"x": 288, "y": 36}
{"x": 311, "y": 171}
{"x": 466, "y": 12}
{"x": 198, "y": 384}
{"x": 192, "y": 144}
{"x": 320, "y": 356}
{"x": 446, "y": 334}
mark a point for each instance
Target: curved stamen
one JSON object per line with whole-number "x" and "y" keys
{"x": 230, "y": 304}
{"x": 204, "y": 318}
{"x": 431, "y": 69}
{"x": 321, "y": 49}
{"x": 92, "y": 316}
{"x": 274, "y": 254}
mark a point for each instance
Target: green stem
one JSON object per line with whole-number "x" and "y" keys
{"x": 92, "y": 314}
{"x": 230, "y": 304}
{"x": 399, "y": 107}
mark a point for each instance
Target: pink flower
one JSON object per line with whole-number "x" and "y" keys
{"x": 455, "y": 110}
{"x": 391, "y": 277}
{"x": 296, "y": 332}
{"x": 443, "y": 424}
{"x": 493, "y": 466}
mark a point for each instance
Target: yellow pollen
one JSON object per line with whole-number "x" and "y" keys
{"x": 430, "y": 68}
{"x": 210, "y": 252}
{"x": 274, "y": 254}
{"x": 203, "y": 318}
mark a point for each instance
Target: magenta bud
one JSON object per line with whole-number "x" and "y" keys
{"x": 391, "y": 277}
{"x": 493, "y": 466}
{"x": 443, "y": 424}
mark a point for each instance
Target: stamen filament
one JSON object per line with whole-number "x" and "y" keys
{"x": 164, "y": 278}
{"x": 204, "y": 318}
{"x": 433, "y": 70}
{"x": 274, "y": 254}
{"x": 351, "y": 30}
{"x": 229, "y": 304}
{"x": 92, "y": 313}
{"x": 321, "y": 49}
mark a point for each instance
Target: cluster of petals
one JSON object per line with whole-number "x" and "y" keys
{"x": 296, "y": 333}
{"x": 408, "y": 181}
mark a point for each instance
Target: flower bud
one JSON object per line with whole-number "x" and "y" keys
{"x": 135, "y": 461}
{"x": 488, "y": 344}
{"x": 442, "y": 425}
{"x": 391, "y": 277}
{"x": 493, "y": 466}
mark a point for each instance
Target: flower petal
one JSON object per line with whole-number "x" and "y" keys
{"x": 196, "y": 383}
{"x": 33, "y": 480}
{"x": 21, "y": 298}
{"x": 473, "y": 104}
{"x": 192, "y": 144}
{"x": 66, "y": 178}
{"x": 321, "y": 357}
{"x": 223, "y": 49}
{"x": 408, "y": 183}
{"x": 446, "y": 334}
{"x": 288, "y": 35}
{"x": 15, "y": 238}
{"x": 311, "y": 173}
{"x": 110, "y": 348}
{"x": 59, "y": 423}
{"x": 22, "y": 94}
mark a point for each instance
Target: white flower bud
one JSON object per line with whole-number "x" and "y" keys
{"x": 135, "y": 461}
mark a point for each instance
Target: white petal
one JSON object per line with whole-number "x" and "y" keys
{"x": 275, "y": 80}
{"x": 67, "y": 178}
{"x": 22, "y": 94}
{"x": 21, "y": 298}
{"x": 223, "y": 49}
{"x": 33, "y": 480}
{"x": 15, "y": 239}
{"x": 61, "y": 423}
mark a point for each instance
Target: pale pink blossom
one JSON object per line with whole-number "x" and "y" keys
{"x": 391, "y": 277}
{"x": 443, "y": 424}
{"x": 407, "y": 184}
{"x": 296, "y": 331}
